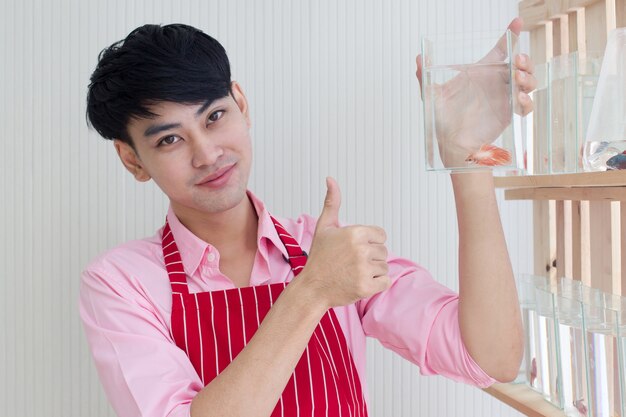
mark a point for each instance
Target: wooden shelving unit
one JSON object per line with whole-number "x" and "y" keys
{"x": 579, "y": 227}
{"x": 579, "y": 219}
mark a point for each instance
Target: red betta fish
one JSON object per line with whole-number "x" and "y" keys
{"x": 580, "y": 407}
{"x": 489, "y": 156}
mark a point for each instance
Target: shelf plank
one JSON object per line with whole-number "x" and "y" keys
{"x": 525, "y": 400}
{"x": 567, "y": 193}
{"x": 584, "y": 179}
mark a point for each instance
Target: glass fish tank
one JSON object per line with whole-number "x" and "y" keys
{"x": 572, "y": 374}
{"x": 544, "y": 366}
{"x": 622, "y": 355}
{"x": 617, "y": 305}
{"x": 573, "y": 79}
{"x": 575, "y": 346}
{"x": 528, "y": 308}
{"x": 605, "y": 147}
{"x": 562, "y": 109}
{"x": 538, "y": 126}
{"x": 602, "y": 361}
{"x": 460, "y": 75}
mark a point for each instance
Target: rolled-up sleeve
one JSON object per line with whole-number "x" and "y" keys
{"x": 418, "y": 318}
{"x": 142, "y": 370}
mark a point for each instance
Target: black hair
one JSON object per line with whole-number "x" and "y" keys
{"x": 176, "y": 63}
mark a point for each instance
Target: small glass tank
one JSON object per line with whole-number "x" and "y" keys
{"x": 460, "y": 66}
{"x": 605, "y": 145}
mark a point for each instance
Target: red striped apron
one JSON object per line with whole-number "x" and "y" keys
{"x": 213, "y": 327}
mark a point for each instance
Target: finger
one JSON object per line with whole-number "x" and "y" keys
{"x": 379, "y": 268}
{"x": 366, "y": 234}
{"x": 381, "y": 283}
{"x": 376, "y": 234}
{"x": 525, "y": 82}
{"x": 500, "y": 51}
{"x": 525, "y": 102}
{"x": 516, "y": 25}
{"x": 330, "y": 213}
{"x": 418, "y": 72}
{"x": 523, "y": 62}
{"x": 378, "y": 252}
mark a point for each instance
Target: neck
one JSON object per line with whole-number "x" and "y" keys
{"x": 230, "y": 231}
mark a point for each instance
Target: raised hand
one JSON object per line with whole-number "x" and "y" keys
{"x": 475, "y": 104}
{"x": 345, "y": 264}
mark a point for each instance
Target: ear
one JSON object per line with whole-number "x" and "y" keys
{"x": 131, "y": 160}
{"x": 241, "y": 100}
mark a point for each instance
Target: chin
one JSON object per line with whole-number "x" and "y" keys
{"x": 223, "y": 202}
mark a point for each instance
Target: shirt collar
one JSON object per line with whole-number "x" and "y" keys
{"x": 192, "y": 249}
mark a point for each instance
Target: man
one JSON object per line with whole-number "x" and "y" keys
{"x": 199, "y": 320}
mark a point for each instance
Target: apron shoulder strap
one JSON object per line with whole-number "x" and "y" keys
{"x": 297, "y": 257}
{"x": 173, "y": 262}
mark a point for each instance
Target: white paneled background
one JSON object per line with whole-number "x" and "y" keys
{"x": 332, "y": 90}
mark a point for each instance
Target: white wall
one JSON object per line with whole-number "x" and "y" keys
{"x": 332, "y": 89}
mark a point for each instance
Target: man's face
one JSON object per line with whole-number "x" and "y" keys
{"x": 199, "y": 155}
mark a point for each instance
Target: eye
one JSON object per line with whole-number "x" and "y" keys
{"x": 168, "y": 140}
{"x": 215, "y": 116}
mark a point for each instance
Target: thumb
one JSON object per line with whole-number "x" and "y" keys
{"x": 418, "y": 72}
{"x": 516, "y": 25}
{"x": 330, "y": 213}
{"x": 499, "y": 52}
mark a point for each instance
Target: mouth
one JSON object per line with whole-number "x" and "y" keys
{"x": 217, "y": 176}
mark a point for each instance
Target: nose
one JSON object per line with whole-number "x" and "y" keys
{"x": 206, "y": 150}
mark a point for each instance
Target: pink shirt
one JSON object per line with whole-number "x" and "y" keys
{"x": 126, "y": 298}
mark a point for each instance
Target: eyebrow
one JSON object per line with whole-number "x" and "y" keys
{"x": 154, "y": 129}
{"x": 204, "y": 107}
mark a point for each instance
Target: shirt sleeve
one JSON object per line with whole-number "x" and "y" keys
{"x": 142, "y": 370}
{"x": 417, "y": 318}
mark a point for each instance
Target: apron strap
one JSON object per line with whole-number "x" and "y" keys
{"x": 297, "y": 257}
{"x": 173, "y": 262}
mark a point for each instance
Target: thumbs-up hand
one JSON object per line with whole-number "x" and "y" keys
{"x": 345, "y": 264}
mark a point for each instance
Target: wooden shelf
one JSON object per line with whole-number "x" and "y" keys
{"x": 585, "y": 179}
{"x": 525, "y": 400}
{"x": 567, "y": 193}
